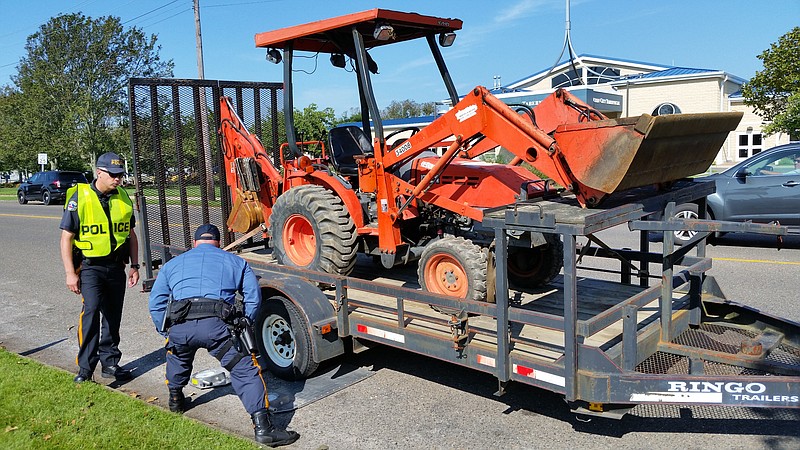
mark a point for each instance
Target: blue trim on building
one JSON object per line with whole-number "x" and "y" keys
{"x": 395, "y": 122}
{"x": 584, "y": 55}
{"x": 672, "y": 72}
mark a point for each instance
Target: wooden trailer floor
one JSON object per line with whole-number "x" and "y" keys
{"x": 595, "y": 296}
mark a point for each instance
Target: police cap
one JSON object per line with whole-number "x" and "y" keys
{"x": 111, "y": 163}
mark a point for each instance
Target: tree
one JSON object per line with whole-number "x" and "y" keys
{"x": 407, "y": 108}
{"x": 774, "y": 93}
{"x": 72, "y": 88}
{"x": 312, "y": 124}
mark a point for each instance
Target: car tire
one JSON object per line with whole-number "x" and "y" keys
{"x": 21, "y": 198}
{"x": 687, "y": 211}
{"x": 46, "y": 197}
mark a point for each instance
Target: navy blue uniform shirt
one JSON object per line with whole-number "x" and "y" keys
{"x": 204, "y": 271}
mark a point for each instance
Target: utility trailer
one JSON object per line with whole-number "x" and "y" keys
{"x": 608, "y": 333}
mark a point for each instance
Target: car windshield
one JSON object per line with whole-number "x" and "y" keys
{"x": 72, "y": 177}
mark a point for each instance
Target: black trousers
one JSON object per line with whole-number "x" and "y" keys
{"x": 103, "y": 290}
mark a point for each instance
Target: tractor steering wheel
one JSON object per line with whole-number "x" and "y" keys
{"x": 413, "y": 130}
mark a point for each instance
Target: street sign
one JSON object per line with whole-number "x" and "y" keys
{"x": 42, "y": 158}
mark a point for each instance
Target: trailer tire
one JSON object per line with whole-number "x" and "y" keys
{"x": 535, "y": 267}
{"x": 283, "y": 339}
{"x": 310, "y": 228}
{"x": 453, "y": 266}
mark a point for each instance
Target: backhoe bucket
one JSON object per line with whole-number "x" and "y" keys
{"x": 618, "y": 154}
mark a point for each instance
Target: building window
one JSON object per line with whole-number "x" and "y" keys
{"x": 569, "y": 78}
{"x": 666, "y": 108}
{"x": 749, "y": 144}
{"x": 601, "y": 74}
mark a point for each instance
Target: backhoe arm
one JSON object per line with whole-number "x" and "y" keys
{"x": 253, "y": 193}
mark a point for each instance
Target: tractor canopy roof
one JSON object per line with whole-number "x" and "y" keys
{"x": 335, "y": 35}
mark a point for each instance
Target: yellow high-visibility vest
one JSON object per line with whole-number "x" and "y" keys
{"x": 94, "y": 237}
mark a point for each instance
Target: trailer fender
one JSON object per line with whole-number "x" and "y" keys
{"x": 315, "y": 306}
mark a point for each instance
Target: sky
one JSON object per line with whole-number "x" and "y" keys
{"x": 509, "y": 39}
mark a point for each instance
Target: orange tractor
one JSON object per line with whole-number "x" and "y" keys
{"x": 400, "y": 202}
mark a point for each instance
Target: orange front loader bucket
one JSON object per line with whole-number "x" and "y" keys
{"x": 617, "y": 154}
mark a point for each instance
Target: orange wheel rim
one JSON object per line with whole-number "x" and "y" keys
{"x": 299, "y": 240}
{"x": 445, "y": 275}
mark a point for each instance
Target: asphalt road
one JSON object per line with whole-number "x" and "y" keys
{"x": 410, "y": 401}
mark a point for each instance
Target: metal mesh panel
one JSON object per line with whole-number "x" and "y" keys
{"x": 715, "y": 338}
{"x": 178, "y": 164}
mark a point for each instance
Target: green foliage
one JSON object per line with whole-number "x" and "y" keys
{"x": 774, "y": 93}
{"x": 69, "y": 99}
{"x": 352, "y": 115}
{"x": 312, "y": 124}
{"x": 42, "y": 408}
{"x": 407, "y": 108}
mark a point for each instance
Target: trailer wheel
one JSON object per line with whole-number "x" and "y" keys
{"x": 535, "y": 267}
{"x": 453, "y": 266}
{"x": 311, "y": 228}
{"x": 283, "y": 339}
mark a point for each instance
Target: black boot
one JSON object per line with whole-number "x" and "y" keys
{"x": 267, "y": 434}
{"x": 177, "y": 402}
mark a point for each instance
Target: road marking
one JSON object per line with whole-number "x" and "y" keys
{"x": 30, "y": 216}
{"x": 759, "y": 261}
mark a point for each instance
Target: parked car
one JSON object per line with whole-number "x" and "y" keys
{"x": 49, "y": 187}
{"x": 763, "y": 188}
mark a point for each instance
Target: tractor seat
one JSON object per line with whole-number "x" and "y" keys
{"x": 345, "y": 143}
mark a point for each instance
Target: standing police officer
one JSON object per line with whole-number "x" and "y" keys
{"x": 197, "y": 291}
{"x": 97, "y": 240}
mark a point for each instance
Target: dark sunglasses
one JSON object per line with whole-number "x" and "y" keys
{"x": 113, "y": 175}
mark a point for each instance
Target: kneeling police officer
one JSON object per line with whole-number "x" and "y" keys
{"x": 194, "y": 294}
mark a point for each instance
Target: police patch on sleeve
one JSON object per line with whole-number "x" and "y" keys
{"x": 72, "y": 206}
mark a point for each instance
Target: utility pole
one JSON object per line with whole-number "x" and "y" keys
{"x": 206, "y": 154}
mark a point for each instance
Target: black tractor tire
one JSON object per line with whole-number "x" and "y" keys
{"x": 311, "y": 228}
{"x": 21, "y": 198}
{"x": 46, "y": 197}
{"x": 536, "y": 267}
{"x": 454, "y": 266}
{"x": 283, "y": 339}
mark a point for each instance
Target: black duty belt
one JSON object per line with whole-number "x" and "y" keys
{"x": 199, "y": 308}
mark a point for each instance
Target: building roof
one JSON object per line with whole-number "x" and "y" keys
{"x": 586, "y": 58}
{"x": 676, "y": 73}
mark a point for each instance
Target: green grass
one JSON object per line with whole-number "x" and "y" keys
{"x": 41, "y": 407}
{"x": 9, "y": 192}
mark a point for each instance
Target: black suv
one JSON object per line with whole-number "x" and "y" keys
{"x": 49, "y": 187}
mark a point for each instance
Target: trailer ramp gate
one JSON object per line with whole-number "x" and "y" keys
{"x": 177, "y": 163}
